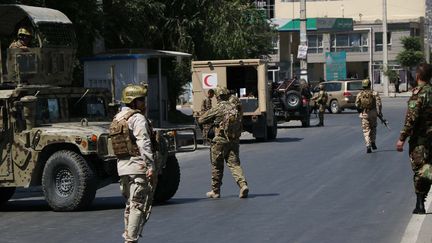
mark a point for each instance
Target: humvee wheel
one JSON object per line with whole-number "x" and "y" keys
{"x": 6, "y": 193}
{"x": 68, "y": 182}
{"x": 168, "y": 181}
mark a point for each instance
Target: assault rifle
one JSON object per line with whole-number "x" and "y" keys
{"x": 384, "y": 121}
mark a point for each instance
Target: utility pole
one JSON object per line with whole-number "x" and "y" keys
{"x": 385, "y": 50}
{"x": 303, "y": 41}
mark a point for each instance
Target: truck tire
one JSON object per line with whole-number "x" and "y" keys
{"x": 6, "y": 193}
{"x": 292, "y": 100}
{"x": 272, "y": 131}
{"x": 68, "y": 182}
{"x": 168, "y": 181}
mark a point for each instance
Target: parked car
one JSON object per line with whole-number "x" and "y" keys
{"x": 341, "y": 94}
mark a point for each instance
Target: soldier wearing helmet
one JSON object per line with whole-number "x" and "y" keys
{"x": 321, "y": 100}
{"x": 133, "y": 143}
{"x": 369, "y": 105}
{"x": 23, "y": 38}
{"x": 418, "y": 122}
{"x": 225, "y": 146}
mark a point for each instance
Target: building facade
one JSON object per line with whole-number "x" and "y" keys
{"x": 363, "y": 44}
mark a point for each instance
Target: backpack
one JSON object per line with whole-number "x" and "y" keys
{"x": 231, "y": 123}
{"x": 123, "y": 143}
{"x": 367, "y": 100}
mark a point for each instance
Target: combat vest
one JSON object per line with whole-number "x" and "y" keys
{"x": 323, "y": 98}
{"x": 123, "y": 141}
{"x": 367, "y": 100}
{"x": 231, "y": 123}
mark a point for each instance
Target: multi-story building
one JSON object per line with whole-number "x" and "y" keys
{"x": 363, "y": 43}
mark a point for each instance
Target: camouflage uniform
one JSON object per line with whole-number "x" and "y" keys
{"x": 321, "y": 100}
{"x": 223, "y": 149}
{"x": 369, "y": 116}
{"x": 205, "y": 106}
{"x": 418, "y": 124}
{"x": 136, "y": 187}
{"x": 17, "y": 44}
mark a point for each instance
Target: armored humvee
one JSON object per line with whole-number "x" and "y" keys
{"x": 247, "y": 78}
{"x": 52, "y": 134}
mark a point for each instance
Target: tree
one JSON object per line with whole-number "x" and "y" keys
{"x": 412, "y": 54}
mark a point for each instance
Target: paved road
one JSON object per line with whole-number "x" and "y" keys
{"x": 309, "y": 185}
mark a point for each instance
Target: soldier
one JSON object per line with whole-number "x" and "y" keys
{"x": 321, "y": 100}
{"x": 205, "y": 106}
{"x": 23, "y": 38}
{"x": 133, "y": 143}
{"x": 225, "y": 145}
{"x": 369, "y": 105}
{"x": 418, "y": 123}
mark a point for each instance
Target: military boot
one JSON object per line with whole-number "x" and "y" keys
{"x": 374, "y": 147}
{"x": 212, "y": 194}
{"x": 368, "y": 149}
{"x": 420, "y": 209}
{"x": 244, "y": 191}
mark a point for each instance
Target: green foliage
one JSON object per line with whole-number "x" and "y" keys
{"x": 392, "y": 75}
{"x": 131, "y": 23}
{"x": 412, "y": 54}
{"x": 178, "y": 74}
{"x": 235, "y": 29}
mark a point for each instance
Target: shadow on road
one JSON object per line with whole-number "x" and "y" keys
{"x": 287, "y": 140}
{"x": 37, "y": 205}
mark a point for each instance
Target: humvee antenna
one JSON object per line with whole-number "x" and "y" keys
{"x": 112, "y": 84}
{"x": 1, "y": 66}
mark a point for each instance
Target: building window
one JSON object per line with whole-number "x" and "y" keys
{"x": 275, "y": 45}
{"x": 315, "y": 44}
{"x": 354, "y": 42}
{"x": 379, "y": 41}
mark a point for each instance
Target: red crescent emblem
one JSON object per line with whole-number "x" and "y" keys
{"x": 206, "y": 80}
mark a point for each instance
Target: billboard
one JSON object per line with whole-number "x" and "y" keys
{"x": 335, "y": 65}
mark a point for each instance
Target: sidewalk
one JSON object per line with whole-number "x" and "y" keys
{"x": 396, "y": 95}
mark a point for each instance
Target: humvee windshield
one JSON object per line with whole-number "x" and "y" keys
{"x": 50, "y": 109}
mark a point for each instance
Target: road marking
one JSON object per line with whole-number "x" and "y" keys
{"x": 414, "y": 226}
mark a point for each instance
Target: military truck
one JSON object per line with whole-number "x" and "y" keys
{"x": 247, "y": 79}
{"x": 52, "y": 134}
{"x": 291, "y": 100}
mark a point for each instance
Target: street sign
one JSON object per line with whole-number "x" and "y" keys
{"x": 335, "y": 65}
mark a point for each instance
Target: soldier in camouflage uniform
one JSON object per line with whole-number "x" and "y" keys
{"x": 418, "y": 127}
{"x": 222, "y": 148}
{"x": 23, "y": 38}
{"x": 369, "y": 104}
{"x": 205, "y": 106}
{"x": 321, "y": 100}
{"x": 133, "y": 144}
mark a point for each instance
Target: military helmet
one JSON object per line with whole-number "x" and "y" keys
{"x": 132, "y": 92}
{"x": 220, "y": 90}
{"x": 366, "y": 83}
{"x": 24, "y": 31}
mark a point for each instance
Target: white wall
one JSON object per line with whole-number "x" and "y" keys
{"x": 369, "y": 9}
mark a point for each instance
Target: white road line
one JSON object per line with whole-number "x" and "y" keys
{"x": 414, "y": 226}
